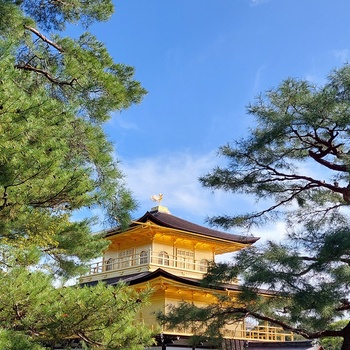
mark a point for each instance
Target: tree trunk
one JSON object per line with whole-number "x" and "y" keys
{"x": 346, "y": 343}
{"x": 346, "y": 336}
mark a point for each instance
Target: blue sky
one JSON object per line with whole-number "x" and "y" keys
{"x": 202, "y": 62}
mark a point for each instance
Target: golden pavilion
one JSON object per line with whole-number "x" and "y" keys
{"x": 171, "y": 255}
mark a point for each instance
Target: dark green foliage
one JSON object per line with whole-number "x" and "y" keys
{"x": 33, "y": 313}
{"x": 55, "y": 93}
{"x": 55, "y": 162}
{"x": 296, "y": 164}
{"x": 299, "y": 126}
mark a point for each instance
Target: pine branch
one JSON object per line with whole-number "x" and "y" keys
{"x": 88, "y": 340}
{"x": 345, "y": 305}
{"x": 319, "y": 159}
{"x": 44, "y": 38}
{"x": 301, "y": 331}
{"x": 53, "y": 80}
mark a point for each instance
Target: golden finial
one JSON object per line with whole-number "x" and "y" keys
{"x": 157, "y": 197}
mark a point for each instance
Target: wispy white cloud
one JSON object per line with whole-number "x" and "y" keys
{"x": 341, "y": 55}
{"x": 257, "y": 81}
{"x": 119, "y": 121}
{"x": 176, "y": 177}
{"x": 258, "y": 2}
{"x": 275, "y": 232}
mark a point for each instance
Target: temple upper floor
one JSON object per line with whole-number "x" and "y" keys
{"x": 142, "y": 259}
{"x": 161, "y": 240}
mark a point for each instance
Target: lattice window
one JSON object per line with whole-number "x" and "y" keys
{"x": 203, "y": 265}
{"x": 125, "y": 257}
{"x": 185, "y": 258}
{"x": 163, "y": 258}
{"x": 143, "y": 257}
{"x": 109, "y": 264}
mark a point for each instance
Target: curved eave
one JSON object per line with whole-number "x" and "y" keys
{"x": 163, "y": 220}
{"x": 222, "y": 246}
{"x": 193, "y": 282}
{"x": 148, "y": 277}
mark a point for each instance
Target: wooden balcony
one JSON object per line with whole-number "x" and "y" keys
{"x": 260, "y": 333}
{"x": 152, "y": 261}
{"x": 179, "y": 266}
{"x": 239, "y": 331}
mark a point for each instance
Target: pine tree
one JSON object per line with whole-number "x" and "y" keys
{"x": 296, "y": 163}
{"x": 34, "y": 314}
{"x": 55, "y": 159}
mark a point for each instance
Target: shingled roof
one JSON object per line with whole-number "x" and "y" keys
{"x": 168, "y": 220}
{"x": 148, "y": 276}
{"x": 151, "y": 275}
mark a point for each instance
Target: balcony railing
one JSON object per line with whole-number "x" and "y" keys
{"x": 259, "y": 333}
{"x": 264, "y": 332}
{"x": 160, "y": 259}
